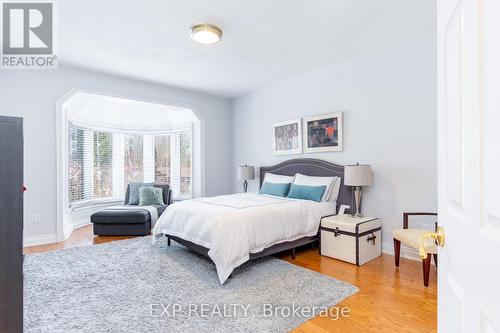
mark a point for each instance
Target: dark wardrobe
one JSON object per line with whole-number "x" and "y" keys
{"x": 11, "y": 224}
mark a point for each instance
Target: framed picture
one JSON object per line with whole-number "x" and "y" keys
{"x": 323, "y": 133}
{"x": 287, "y": 137}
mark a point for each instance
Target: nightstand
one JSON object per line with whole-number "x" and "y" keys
{"x": 350, "y": 238}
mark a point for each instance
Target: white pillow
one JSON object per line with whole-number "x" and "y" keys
{"x": 277, "y": 179}
{"x": 301, "y": 179}
{"x": 334, "y": 193}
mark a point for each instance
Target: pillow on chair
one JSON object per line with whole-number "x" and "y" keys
{"x": 132, "y": 195}
{"x": 166, "y": 192}
{"x": 150, "y": 196}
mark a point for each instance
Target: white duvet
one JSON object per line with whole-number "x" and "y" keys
{"x": 233, "y": 226}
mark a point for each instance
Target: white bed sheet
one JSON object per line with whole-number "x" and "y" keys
{"x": 233, "y": 226}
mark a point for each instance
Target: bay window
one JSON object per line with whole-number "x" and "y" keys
{"x": 101, "y": 163}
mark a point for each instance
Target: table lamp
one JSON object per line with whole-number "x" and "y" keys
{"x": 357, "y": 176}
{"x": 246, "y": 173}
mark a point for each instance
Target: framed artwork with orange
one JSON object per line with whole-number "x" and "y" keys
{"x": 323, "y": 133}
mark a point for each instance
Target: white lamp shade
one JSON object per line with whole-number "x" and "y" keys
{"x": 246, "y": 172}
{"x": 358, "y": 175}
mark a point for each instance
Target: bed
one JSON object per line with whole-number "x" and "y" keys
{"x": 233, "y": 229}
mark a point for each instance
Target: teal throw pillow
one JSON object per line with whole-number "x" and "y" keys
{"x": 314, "y": 193}
{"x": 133, "y": 198}
{"x": 279, "y": 190}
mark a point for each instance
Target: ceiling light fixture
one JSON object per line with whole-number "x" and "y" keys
{"x": 205, "y": 33}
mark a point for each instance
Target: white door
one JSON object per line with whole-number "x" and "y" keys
{"x": 469, "y": 165}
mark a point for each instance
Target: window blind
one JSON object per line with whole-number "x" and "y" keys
{"x": 162, "y": 159}
{"x": 103, "y": 164}
{"x": 90, "y": 169}
{"x": 133, "y": 159}
{"x": 185, "y": 163}
{"x": 76, "y": 177}
{"x": 148, "y": 159}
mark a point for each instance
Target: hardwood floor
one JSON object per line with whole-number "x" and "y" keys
{"x": 390, "y": 299}
{"x": 79, "y": 237}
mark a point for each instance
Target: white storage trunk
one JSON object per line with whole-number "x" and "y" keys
{"x": 353, "y": 239}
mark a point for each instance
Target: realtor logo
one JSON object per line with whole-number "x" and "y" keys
{"x": 28, "y": 35}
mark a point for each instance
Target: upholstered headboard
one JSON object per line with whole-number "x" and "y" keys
{"x": 312, "y": 167}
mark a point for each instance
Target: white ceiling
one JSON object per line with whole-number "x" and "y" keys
{"x": 263, "y": 41}
{"x": 114, "y": 113}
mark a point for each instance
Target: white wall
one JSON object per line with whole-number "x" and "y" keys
{"x": 389, "y": 102}
{"x": 33, "y": 95}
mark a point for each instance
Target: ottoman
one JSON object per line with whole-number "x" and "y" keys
{"x": 121, "y": 222}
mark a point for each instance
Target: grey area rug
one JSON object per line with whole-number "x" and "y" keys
{"x": 133, "y": 286}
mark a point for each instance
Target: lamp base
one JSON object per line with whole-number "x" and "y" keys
{"x": 245, "y": 186}
{"x": 357, "y": 199}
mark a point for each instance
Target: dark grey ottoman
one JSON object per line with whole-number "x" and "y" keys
{"x": 121, "y": 222}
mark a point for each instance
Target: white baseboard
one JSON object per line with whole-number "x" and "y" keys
{"x": 406, "y": 252}
{"x": 52, "y": 238}
{"x": 39, "y": 240}
{"x": 81, "y": 223}
{"x": 75, "y": 225}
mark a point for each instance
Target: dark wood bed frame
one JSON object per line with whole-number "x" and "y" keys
{"x": 305, "y": 166}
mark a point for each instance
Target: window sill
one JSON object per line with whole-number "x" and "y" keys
{"x": 81, "y": 205}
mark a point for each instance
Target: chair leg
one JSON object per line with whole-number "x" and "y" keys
{"x": 293, "y": 253}
{"x": 168, "y": 241}
{"x": 435, "y": 259}
{"x": 397, "y": 251}
{"x": 426, "y": 265}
